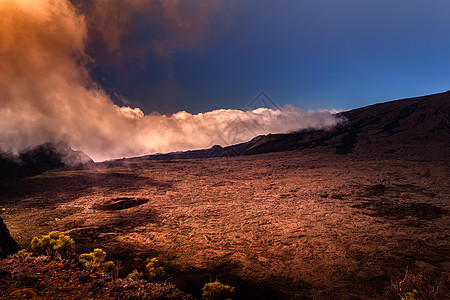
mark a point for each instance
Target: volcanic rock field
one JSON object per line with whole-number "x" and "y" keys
{"x": 307, "y": 223}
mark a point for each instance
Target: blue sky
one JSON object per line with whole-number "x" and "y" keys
{"x": 64, "y": 63}
{"x": 311, "y": 54}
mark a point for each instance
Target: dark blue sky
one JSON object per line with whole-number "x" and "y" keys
{"x": 311, "y": 54}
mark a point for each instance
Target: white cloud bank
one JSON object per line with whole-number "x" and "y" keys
{"x": 46, "y": 94}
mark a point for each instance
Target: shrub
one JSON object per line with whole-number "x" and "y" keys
{"x": 410, "y": 295}
{"x": 64, "y": 244}
{"x": 153, "y": 268}
{"x": 217, "y": 291}
{"x": 109, "y": 266}
{"x": 134, "y": 276}
{"x": 417, "y": 286}
{"x": 99, "y": 255}
{"x": 86, "y": 257}
{"x": 132, "y": 281}
{"x": 22, "y": 255}
{"x": 53, "y": 244}
{"x": 95, "y": 259}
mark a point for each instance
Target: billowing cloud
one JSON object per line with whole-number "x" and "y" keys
{"x": 46, "y": 94}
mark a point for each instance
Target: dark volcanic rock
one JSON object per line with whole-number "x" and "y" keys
{"x": 7, "y": 244}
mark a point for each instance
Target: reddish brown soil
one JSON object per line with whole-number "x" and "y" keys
{"x": 279, "y": 225}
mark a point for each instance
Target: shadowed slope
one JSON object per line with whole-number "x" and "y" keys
{"x": 415, "y": 128}
{"x": 410, "y": 127}
{"x": 38, "y": 160}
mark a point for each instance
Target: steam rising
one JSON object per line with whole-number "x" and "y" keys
{"x": 46, "y": 94}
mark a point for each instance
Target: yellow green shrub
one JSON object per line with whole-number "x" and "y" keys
{"x": 109, "y": 266}
{"x": 413, "y": 295}
{"x": 99, "y": 255}
{"x": 53, "y": 244}
{"x": 217, "y": 291}
{"x": 417, "y": 286}
{"x": 153, "y": 268}
{"x": 95, "y": 259}
{"x": 85, "y": 257}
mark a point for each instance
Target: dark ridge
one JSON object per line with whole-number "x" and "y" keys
{"x": 38, "y": 160}
{"x": 413, "y": 128}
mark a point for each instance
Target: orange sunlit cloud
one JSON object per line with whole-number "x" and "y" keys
{"x": 47, "y": 95}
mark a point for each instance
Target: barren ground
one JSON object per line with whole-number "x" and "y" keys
{"x": 278, "y": 225}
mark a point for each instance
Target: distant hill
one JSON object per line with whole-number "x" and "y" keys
{"x": 38, "y": 160}
{"x": 415, "y": 128}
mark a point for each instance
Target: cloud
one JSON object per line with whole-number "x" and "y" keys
{"x": 46, "y": 95}
{"x": 124, "y": 30}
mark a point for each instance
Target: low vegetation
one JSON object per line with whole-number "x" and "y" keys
{"x": 88, "y": 277}
{"x": 92, "y": 276}
{"x": 54, "y": 244}
{"x": 417, "y": 286}
{"x": 217, "y": 291}
{"x": 96, "y": 259}
{"x": 154, "y": 269}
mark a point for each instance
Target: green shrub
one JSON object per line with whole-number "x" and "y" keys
{"x": 410, "y": 295}
{"x": 217, "y": 291}
{"x": 95, "y": 259}
{"x": 99, "y": 255}
{"x": 86, "y": 257}
{"x": 54, "y": 235}
{"x": 53, "y": 244}
{"x": 134, "y": 276}
{"x": 153, "y": 268}
{"x": 109, "y": 266}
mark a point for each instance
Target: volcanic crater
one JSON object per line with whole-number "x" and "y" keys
{"x": 326, "y": 215}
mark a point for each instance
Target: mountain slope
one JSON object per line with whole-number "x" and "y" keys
{"x": 411, "y": 127}
{"x": 416, "y": 128}
{"x": 38, "y": 160}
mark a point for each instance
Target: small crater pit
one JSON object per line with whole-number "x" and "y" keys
{"x": 119, "y": 203}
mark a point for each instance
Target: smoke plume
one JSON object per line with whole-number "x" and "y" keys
{"x": 46, "y": 94}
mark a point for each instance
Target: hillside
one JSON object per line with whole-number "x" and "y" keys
{"x": 416, "y": 128}
{"x": 38, "y": 160}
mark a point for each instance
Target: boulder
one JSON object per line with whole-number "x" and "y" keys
{"x": 8, "y": 245}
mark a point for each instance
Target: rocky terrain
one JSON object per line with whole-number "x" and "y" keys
{"x": 338, "y": 215}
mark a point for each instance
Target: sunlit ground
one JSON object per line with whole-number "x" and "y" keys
{"x": 273, "y": 225}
